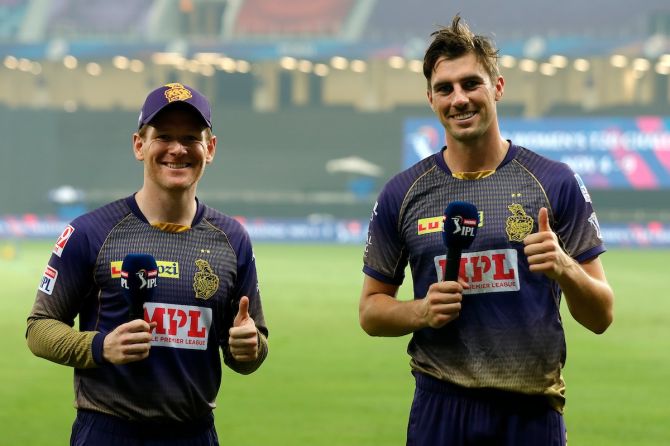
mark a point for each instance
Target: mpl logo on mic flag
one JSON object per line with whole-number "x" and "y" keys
{"x": 143, "y": 279}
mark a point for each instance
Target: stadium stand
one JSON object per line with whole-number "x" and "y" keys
{"x": 341, "y": 113}
{"x": 263, "y": 18}
{"x": 523, "y": 18}
{"x": 82, "y": 18}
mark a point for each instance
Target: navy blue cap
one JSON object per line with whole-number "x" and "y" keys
{"x": 163, "y": 96}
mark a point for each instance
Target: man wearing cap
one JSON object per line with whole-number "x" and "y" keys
{"x": 155, "y": 378}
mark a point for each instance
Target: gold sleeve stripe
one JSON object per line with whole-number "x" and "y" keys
{"x": 58, "y": 342}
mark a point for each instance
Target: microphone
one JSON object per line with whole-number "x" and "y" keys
{"x": 461, "y": 220}
{"x": 139, "y": 279}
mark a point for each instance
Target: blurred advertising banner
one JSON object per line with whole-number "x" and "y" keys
{"x": 608, "y": 153}
{"x": 335, "y": 231}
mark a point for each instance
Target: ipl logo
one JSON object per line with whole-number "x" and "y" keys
{"x": 145, "y": 279}
{"x": 467, "y": 228}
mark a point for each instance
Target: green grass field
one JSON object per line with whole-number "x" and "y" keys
{"x": 327, "y": 383}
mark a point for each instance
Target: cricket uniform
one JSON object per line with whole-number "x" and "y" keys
{"x": 202, "y": 273}
{"x": 509, "y": 334}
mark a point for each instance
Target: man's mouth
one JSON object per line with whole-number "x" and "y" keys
{"x": 177, "y": 165}
{"x": 463, "y": 116}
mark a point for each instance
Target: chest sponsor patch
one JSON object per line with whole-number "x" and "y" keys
{"x": 179, "y": 326}
{"x": 166, "y": 268}
{"x": 48, "y": 280}
{"x": 429, "y": 225}
{"x": 492, "y": 271}
{"x": 62, "y": 240}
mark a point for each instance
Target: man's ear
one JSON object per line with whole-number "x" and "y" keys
{"x": 138, "y": 144}
{"x": 429, "y": 95}
{"x": 500, "y": 88}
{"x": 211, "y": 149}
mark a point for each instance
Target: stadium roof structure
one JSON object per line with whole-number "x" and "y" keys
{"x": 258, "y": 30}
{"x": 314, "y": 49}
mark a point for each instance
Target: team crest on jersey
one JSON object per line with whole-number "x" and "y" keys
{"x": 519, "y": 224}
{"x": 205, "y": 282}
{"x": 62, "y": 240}
{"x": 177, "y": 92}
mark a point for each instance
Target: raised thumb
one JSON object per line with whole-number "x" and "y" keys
{"x": 243, "y": 311}
{"x": 543, "y": 220}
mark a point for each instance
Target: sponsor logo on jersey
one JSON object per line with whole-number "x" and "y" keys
{"x": 434, "y": 224}
{"x": 179, "y": 326}
{"x": 492, "y": 271}
{"x": 205, "y": 282}
{"x": 519, "y": 224}
{"x": 374, "y": 211}
{"x": 48, "y": 280}
{"x": 429, "y": 225}
{"x": 583, "y": 189}
{"x": 62, "y": 240}
{"x": 594, "y": 222}
{"x": 166, "y": 268}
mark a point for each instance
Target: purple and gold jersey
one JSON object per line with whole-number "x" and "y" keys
{"x": 202, "y": 274}
{"x": 509, "y": 334}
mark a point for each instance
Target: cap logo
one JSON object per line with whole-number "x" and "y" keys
{"x": 177, "y": 92}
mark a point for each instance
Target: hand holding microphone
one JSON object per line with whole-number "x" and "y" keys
{"x": 461, "y": 220}
{"x": 131, "y": 341}
{"x": 442, "y": 304}
{"x": 242, "y": 336}
{"x": 139, "y": 279}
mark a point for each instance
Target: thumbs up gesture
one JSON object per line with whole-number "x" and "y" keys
{"x": 543, "y": 251}
{"x": 242, "y": 336}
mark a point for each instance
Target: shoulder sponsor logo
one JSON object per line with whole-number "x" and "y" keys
{"x": 166, "y": 268}
{"x": 594, "y": 222}
{"x": 179, "y": 326}
{"x": 429, "y": 225}
{"x": 583, "y": 189}
{"x": 62, "y": 240}
{"x": 491, "y": 271}
{"x": 48, "y": 280}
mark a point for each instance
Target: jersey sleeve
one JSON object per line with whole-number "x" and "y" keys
{"x": 247, "y": 285}
{"x": 385, "y": 258}
{"x": 576, "y": 224}
{"x": 65, "y": 283}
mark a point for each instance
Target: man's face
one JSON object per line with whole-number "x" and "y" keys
{"x": 174, "y": 149}
{"x": 463, "y": 97}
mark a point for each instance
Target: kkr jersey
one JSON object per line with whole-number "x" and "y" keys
{"x": 202, "y": 274}
{"x": 509, "y": 333}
